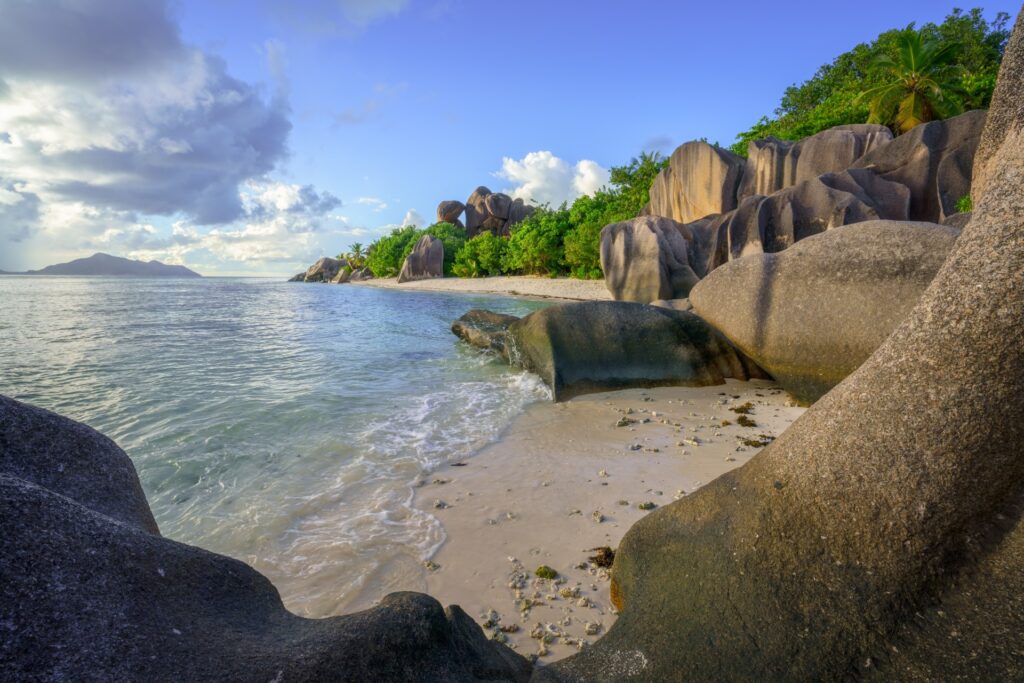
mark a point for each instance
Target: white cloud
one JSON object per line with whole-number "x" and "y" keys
{"x": 414, "y": 218}
{"x": 376, "y": 203}
{"x": 542, "y": 178}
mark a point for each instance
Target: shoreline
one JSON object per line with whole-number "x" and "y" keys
{"x": 567, "y": 289}
{"x": 565, "y": 478}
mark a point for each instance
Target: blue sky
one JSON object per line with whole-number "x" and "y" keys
{"x": 250, "y": 137}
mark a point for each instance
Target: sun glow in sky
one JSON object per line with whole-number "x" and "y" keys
{"x": 251, "y": 137}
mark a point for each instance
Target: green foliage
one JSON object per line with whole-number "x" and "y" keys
{"x": 922, "y": 85}
{"x": 481, "y": 256}
{"x": 385, "y": 256}
{"x": 355, "y": 258}
{"x": 965, "y": 204}
{"x": 632, "y": 184}
{"x": 535, "y": 246}
{"x": 583, "y": 251}
{"x": 831, "y": 97}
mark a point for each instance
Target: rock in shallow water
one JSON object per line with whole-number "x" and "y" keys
{"x": 603, "y": 345}
{"x": 92, "y": 591}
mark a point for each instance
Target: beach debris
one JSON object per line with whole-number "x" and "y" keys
{"x": 511, "y": 515}
{"x": 440, "y": 504}
{"x": 440, "y": 481}
{"x": 726, "y": 423}
{"x": 575, "y": 511}
{"x": 648, "y": 505}
{"x": 597, "y": 516}
{"x": 652, "y": 450}
{"x": 459, "y": 464}
{"x": 545, "y": 572}
{"x": 625, "y": 422}
{"x": 431, "y": 566}
{"x": 744, "y": 409}
{"x": 690, "y": 441}
{"x": 498, "y": 637}
{"x": 569, "y": 592}
{"x": 636, "y": 447}
{"x": 760, "y": 442}
{"x": 509, "y": 628}
{"x": 623, "y": 502}
{"x": 603, "y": 556}
{"x": 591, "y": 628}
{"x": 602, "y": 473}
{"x": 584, "y": 601}
{"x": 629, "y": 411}
{"x": 491, "y": 618}
{"x": 744, "y": 421}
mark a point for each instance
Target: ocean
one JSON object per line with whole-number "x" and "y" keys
{"x": 283, "y": 424}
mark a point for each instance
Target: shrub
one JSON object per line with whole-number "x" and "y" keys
{"x": 535, "y": 246}
{"x": 481, "y": 256}
{"x": 965, "y": 204}
{"x": 583, "y": 251}
{"x": 386, "y": 255}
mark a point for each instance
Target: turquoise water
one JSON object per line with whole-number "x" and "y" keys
{"x": 282, "y": 424}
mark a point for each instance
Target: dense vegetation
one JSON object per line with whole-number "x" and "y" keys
{"x": 562, "y": 241}
{"x": 833, "y": 96}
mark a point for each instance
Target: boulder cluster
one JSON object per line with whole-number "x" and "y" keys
{"x": 485, "y": 211}
{"x": 333, "y": 271}
{"x": 718, "y": 228}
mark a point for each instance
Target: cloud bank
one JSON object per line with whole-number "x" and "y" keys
{"x": 108, "y": 122}
{"x": 543, "y": 178}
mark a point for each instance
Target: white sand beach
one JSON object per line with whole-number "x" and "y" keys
{"x": 536, "y": 497}
{"x": 528, "y": 286}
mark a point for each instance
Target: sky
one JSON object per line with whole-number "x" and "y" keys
{"x": 252, "y": 137}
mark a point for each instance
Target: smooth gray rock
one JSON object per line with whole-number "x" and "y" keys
{"x": 880, "y": 537}
{"x": 498, "y": 205}
{"x": 646, "y": 258}
{"x": 517, "y": 213}
{"x": 342, "y": 276}
{"x": 476, "y": 211}
{"x": 449, "y": 211}
{"x": 700, "y": 180}
{"x": 92, "y": 592}
{"x": 674, "y": 304}
{"x": 485, "y": 330}
{"x": 957, "y": 220}
{"x": 774, "y": 164}
{"x": 934, "y": 160}
{"x": 301, "y": 277}
{"x": 425, "y": 261}
{"x": 360, "y": 274}
{"x": 810, "y": 315}
{"x": 594, "y": 346}
{"x": 324, "y": 269}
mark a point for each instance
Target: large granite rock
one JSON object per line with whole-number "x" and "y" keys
{"x": 700, "y": 180}
{"x": 774, "y": 164}
{"x": 91, "y": 591}
{"x": 301, "y": 277}
{"x": 934, "y": 160}
{"x": 880, "y": 537}
{"x": 655, "y": 258}
{"x": 360, "y": 274}
{"x": 476, "y": 211}
{"x": 593, "y": 346}
{"x": 425, "y": 261}
{"x": 324, "y": 269}
{"x": 646, "y": 258}
{"x": 810, "y": 315}
{"x": 485, "y": 330}
{"x": 817, "y": 205}
{"x": 449, "y": 211}
{"x": 493, "y": 211}
{"x": 342, "y": 276}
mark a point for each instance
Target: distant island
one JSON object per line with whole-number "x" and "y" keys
{"x": 105, "y": 264}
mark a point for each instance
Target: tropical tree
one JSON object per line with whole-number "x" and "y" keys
{"x": 921, "y": 85}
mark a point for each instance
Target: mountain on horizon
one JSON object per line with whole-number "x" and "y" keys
{"x": 105, "y": 264}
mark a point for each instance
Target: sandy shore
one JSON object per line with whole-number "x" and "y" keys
{"x": 569, "y": 477}
{"x": 533, "y": 287}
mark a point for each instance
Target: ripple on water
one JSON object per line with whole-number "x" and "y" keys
{"x": 281, "y": 424}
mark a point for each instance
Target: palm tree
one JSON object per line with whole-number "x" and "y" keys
{"x": 921, "y": 86}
